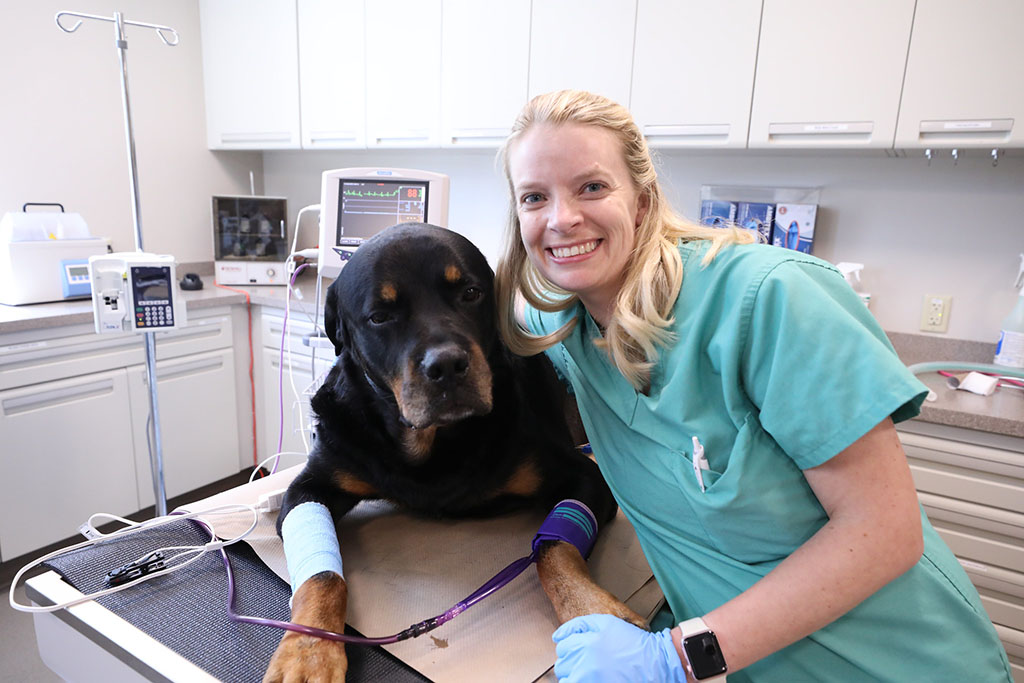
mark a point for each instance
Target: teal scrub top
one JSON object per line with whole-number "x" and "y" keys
{"x": 776, "y": 367}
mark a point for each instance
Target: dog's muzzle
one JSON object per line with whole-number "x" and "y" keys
{"x": 449, "y": 382}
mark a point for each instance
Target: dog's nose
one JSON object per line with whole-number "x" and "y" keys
{"x": 445, "y": 363}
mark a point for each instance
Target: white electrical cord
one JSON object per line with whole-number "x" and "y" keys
{"x": 276, "y": 458}
{"x": 134, "y": 527}
{"x": 308, "y": 254}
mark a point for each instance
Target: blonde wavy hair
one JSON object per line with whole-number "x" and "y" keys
{"x": 642, "y": 315}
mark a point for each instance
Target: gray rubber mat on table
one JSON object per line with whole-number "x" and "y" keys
{"x": 186, "y": 610}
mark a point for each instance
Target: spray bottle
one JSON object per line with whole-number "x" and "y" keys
{"x": 851, "y": 271}
{"x": 1010, "y": 349}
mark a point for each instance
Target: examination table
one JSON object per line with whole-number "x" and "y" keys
{"x": 400, "y": 570}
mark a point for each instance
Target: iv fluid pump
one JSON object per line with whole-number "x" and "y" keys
{"x": 1010, "y": 349}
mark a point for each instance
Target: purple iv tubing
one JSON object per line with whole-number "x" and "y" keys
{"x": 499, "y": 580}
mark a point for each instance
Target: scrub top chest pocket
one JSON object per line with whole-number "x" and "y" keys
{"x": 760, "y": 507}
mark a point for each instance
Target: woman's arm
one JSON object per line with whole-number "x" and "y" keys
{"x": 873, "y": 536}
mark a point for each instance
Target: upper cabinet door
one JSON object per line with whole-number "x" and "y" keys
{"x": 403, "y": 73}
{"x": 332, "y": 73}
{"x": 250, "y": 74}
{"x": 965, "y": 76}
{"x": 829, "y": 73}
{"x": 693, "y": 71}
{"x": 582, "y": 44}
{"x": 485, "y": 61}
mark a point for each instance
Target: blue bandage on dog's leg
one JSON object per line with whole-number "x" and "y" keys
{"x": 570, "y": 521}
{"x": 310, "y": 543}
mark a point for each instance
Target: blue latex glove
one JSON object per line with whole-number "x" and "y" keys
{"x": 603, "y": 648}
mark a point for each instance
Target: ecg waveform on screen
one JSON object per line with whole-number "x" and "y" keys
{"x": 404, "y": 203}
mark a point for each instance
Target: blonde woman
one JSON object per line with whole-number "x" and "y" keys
{"x": 740, "y": 400}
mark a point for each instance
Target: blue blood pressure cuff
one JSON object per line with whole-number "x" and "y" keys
{"x": 570, "y": 521}
{"x": 310, "y": 543}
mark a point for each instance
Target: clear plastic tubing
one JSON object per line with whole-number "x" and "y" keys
{"x": 951, "y": 366}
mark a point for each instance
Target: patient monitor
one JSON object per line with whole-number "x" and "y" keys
{"x": 357, "y": 203}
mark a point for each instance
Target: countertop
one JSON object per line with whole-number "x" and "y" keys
{"x": 1001, "y": 413}
{"x": 55, "y": 314}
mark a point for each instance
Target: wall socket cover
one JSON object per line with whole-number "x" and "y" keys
{"x": 935, "y": 313}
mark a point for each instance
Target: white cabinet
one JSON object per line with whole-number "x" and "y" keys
{"x": 332, "y": 76}
{"x": 829, "y": 74}
{"x": 964, "y": 76}
{"x": 198, "y": 422}
{"x": 971, "y": 485}
{"x": 74, "y": 408}
{"x": 582, "y": 44}
{"x": 285, "y": 416}
{"x": 484, "y": 67}
{"x": 67, "y": 453}
{"x": 250, "y": 74}
{"x": 693, "y": 71}
{"x": 403, "y": 73}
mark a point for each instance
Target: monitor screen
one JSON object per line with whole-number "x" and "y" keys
{"x": 358, "y": 203}
{"x": 365, "y": 207}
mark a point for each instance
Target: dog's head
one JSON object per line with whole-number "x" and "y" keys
{"x": 414, "y": 308}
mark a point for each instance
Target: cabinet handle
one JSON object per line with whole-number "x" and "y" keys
{"x": 477, "y": 136}
{"x": 192, "y": 368}
{"x": 695, "y": 133}
{"x": 419, "y": 135}
{"x": 332, "y": 136}
{"x": 980, "y": 130}
{"x": 816, "y": 132}
{"x": 53, "y": 397}
{"x": 249, "y": 138}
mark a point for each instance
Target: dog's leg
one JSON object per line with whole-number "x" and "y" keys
{"x": 570, "y": 588}
{"x": 320, "y": 600}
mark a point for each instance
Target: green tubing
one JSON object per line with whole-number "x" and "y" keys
{"x": 952, "y": 366}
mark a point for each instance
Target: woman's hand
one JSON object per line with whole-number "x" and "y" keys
{"x": 601, "y": 648}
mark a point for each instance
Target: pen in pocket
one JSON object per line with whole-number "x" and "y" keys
{"x": 700, "y": 463}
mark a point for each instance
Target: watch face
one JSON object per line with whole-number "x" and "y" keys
{"x": 705, "y": 657}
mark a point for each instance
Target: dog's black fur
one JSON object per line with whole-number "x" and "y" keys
{"x": 412, "y": 318}
{"x": 426, "y": 407}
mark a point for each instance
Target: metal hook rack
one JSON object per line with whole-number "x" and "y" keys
{"x": 123, "y": 22}
{"x": 170, "y": 38}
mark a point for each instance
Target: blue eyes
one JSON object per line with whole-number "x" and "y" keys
{"x": 588, "y": 188}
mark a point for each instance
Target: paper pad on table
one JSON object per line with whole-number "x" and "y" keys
{"x": 401, "y": 569}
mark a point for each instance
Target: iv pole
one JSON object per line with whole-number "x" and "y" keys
{"x": 156, "y": 459}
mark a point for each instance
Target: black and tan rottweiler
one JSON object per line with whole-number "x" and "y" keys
{"x": 425, "y": 407}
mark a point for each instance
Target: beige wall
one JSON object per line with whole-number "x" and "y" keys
{"x": 62, "y": 126}
{"x": 939, "y": 229}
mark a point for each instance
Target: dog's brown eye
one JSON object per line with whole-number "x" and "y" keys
{"x": 380, "y": 317}
{"x": 472, "y": 294}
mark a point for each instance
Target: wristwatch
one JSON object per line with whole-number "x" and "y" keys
{"x": 704, "y": 658}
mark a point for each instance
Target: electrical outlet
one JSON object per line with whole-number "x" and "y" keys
{"x": 935, "y": 313}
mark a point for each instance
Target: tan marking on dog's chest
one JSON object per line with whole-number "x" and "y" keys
{"x": 419, "y": 442}
{"x": 388, "y": 292}
{"x": 350, "y": 483}
{"x": 524, "y": 481}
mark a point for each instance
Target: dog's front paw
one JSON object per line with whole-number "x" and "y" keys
{"x": 306, "y": 659}
{"x": 319, "y": 602}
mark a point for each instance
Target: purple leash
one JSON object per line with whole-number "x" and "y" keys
{"x": 569, "y": 520}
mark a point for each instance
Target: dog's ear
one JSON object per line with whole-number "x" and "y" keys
{"x": 334, "y": 326}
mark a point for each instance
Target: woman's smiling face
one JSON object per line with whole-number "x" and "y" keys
{"x": 578, "y": 209}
